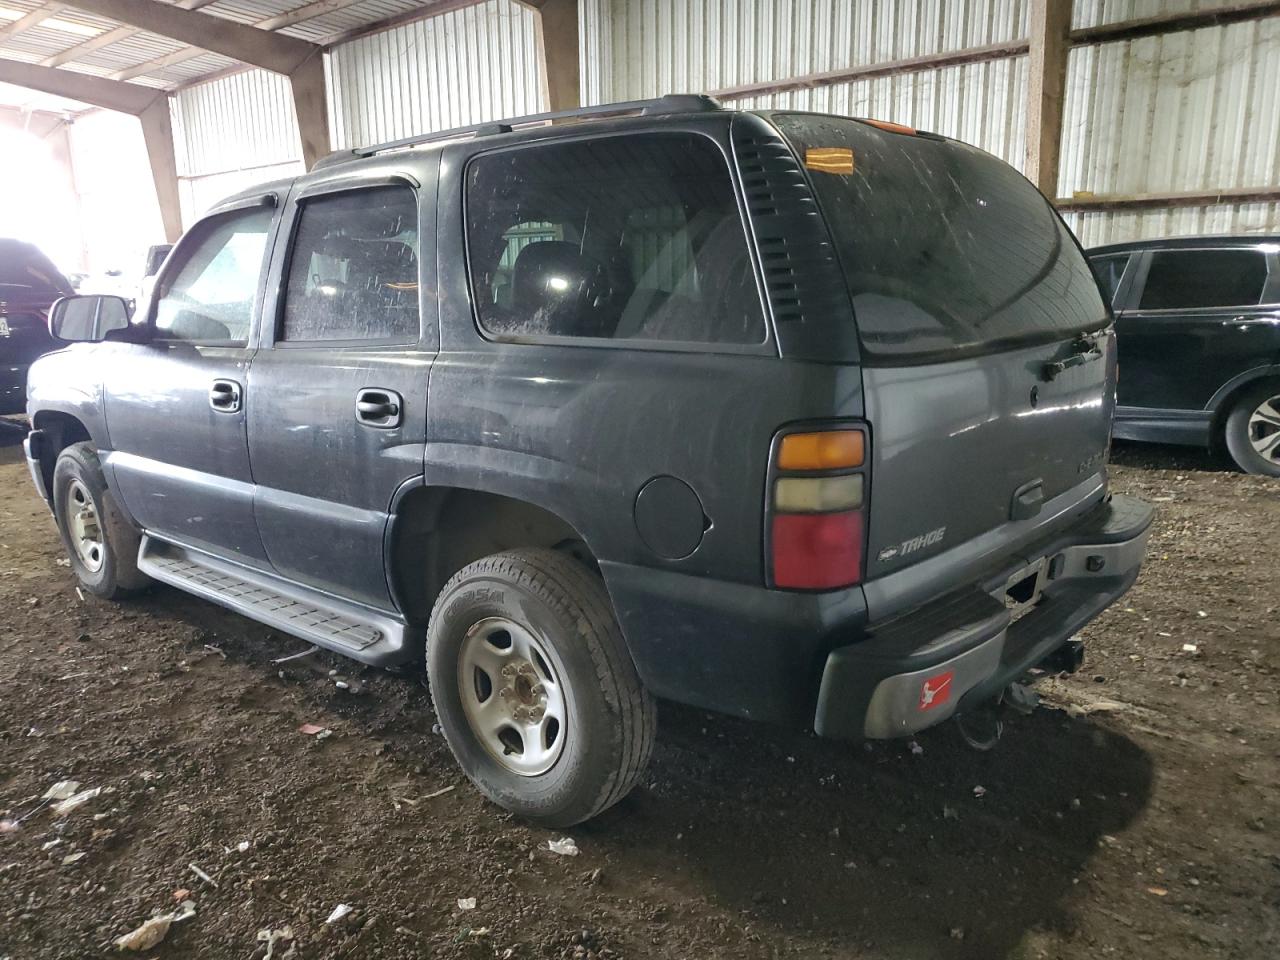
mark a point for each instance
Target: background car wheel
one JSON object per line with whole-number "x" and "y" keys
{"x": 102, "y": 544}
{"x": 535, "y": 689}
{"x": 1252, "y": 431}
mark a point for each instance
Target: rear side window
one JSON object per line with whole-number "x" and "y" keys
{"x": 1109, "y": 270}
{"x": 944, "y": 247}
{"x": 210, "y": 297}
{"x": 1190, "y": 279}
{"x": 353, "y": 270}
{"x": 636, "y": 238}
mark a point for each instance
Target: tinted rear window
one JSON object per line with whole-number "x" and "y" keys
{"x": 944, "y": 247}
{"x": 25, "y": 267}
{"x": 1189, "y": 279}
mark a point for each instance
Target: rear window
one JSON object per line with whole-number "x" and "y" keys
{"x": 944, "y": 247}
{"x": 1191, "y": 279}
{"x": 26, "y": 268}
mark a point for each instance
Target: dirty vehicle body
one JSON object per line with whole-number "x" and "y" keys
{"x": 1198, "y": 330}
{"x": 646, "y": 406}
{"x": 29, "y": 283}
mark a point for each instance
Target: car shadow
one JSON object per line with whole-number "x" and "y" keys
{"x": 1165, "y": 456}
{"x": 942, "y": 853}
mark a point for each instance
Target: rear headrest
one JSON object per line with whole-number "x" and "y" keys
{"x": 552, "y": 278}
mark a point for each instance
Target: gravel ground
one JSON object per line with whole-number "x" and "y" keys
{"x": 1135, "y": 814}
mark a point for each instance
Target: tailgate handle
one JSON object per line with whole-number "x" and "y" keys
{"x": 1027, "y": 500}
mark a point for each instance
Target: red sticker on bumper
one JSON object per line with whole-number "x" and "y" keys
{"x": 935, "y": 691}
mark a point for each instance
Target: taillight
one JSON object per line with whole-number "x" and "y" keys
{"x": 817, "y": 509}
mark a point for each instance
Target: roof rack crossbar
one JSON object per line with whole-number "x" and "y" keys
{"x": 671, "y": 103}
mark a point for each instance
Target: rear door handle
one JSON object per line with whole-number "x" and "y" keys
{"x": 376, "y": 407}
{"x": 225, "y": 396}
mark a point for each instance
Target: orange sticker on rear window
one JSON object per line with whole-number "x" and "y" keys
{"x": 829, "y": 160}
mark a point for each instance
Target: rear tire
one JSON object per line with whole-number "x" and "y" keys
{"x": 102, "y": 544}
{"x": 1252, "y": 430}
{"x": 534, "y": 687}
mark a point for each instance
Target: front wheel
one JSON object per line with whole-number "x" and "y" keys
{"x": 1252, "y": 430}
{"x": 101, "y": 543}
{"x": 535, "y": 689}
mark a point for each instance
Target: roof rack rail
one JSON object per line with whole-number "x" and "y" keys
{"x": 671, "y": 103}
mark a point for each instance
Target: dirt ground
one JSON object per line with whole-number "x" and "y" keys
{"x": 1134, "y": 816}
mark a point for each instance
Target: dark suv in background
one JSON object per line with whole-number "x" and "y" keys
{"x": 29, "y": 283}
{"x": 792, "y": 416}
{"x": 1198, "y": 330}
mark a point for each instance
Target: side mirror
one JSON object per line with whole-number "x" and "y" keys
{"x": 88, "y": 318}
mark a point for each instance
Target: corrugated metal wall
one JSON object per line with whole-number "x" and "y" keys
{"x": 232, "y": 133}
{"x": 472, "y": 65}
{"x": 1187, "y": 111}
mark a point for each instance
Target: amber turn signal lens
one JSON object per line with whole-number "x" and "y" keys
{"x": 828, "y": 450}
{"x": 892, "y": 127}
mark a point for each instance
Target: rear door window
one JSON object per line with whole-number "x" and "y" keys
{"x": 633, "y": 238}
{"x": 353, "y": 269}
{"x": 1197, "y": 279}
{"x": 946, "y": 249}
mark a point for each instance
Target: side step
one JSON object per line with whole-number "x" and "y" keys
{"x": 370, "y": 636}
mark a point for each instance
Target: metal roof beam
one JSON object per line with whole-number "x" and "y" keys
{"x": 108, "y": 37}
{"x": 317, "y": 9}
{"x": 32, "y": 19}
{"x": 261, "y": 48}
{"x": 109, "y": 94}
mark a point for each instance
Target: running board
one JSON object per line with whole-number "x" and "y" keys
{"x": 372, "y": 637}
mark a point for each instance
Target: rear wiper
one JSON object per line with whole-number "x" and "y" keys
{"x": 1087, "y": 349}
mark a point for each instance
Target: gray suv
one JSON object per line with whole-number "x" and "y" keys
{"x": 792, "y": 416}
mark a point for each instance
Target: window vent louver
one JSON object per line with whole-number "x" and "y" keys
{"x": 802, "y": 276}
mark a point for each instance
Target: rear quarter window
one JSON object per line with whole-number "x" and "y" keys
{"x": 945, "y": 248}
{"x": 636, "y": 238}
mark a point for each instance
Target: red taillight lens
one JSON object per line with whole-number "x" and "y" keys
{"x": 817, "y": 551}
{"x": 817, "y": 509}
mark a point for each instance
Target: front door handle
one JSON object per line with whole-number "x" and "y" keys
{"x": 376, "y": 407}
{"x": 225, "y": 396}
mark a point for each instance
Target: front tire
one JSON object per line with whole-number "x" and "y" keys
{"x": 102, "y": 544}
{"x": 1252, "y": 430}
{"x": 534, "y": 687}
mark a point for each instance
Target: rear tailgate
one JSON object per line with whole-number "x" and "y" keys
{"x": 987, "y": 386}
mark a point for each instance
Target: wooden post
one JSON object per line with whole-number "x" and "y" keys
{"x": 1046, "y": 86}
{"x": 557, "y": 31}
{"x": 157, "y": 134}
{"x": 312, "y": 109}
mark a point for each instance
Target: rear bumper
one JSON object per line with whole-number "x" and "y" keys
{"x": 917, "y": 670}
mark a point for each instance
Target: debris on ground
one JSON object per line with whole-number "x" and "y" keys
{"x": 62, "y": 790}
{"x": 202, "y": 875}
{"x": 64, "y": 807}
{"x": 1189, "y": 648}
{"x": 565, "y": 846}
{"x": 438, "y": 793}
{"x": 243, "y": 846}
{"x": 154, "y": 930}
{"x": 272, "y": 937}
{"x": 466, "y": 903}
{"x": 314, "y": 730}
{"x": 915, "y": 748}
{"x": 338, "y": 912}
{"x": 979, "y": 792}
